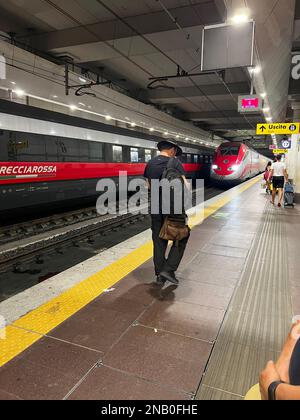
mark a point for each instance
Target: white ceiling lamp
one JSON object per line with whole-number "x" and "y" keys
{"x": 133, "y": 124}
{"x": 240, "y": 18}
{"x": 73, "y": 107}
{"x": 177, "y": 136}
{"x": 82, "y": 79}
{"x": 13, "y": 83}
{"x": 19, "y": 92}
{"x": 255, "y": 70}
{"x": 166, "y": 133}
{"x": 151, "y": 129}
{"x": 108, "y": 118}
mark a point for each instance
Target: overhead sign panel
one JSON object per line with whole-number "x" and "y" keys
{"x": 250, "y": 104}
{"x": 278, "y": 128}
{"x": 227, "y": 46}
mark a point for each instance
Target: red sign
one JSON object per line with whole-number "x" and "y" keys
{"x": 250, "y": 103}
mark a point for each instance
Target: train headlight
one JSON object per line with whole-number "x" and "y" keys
{"x": 234, "y": 168}
{"x": 215, "y": 167}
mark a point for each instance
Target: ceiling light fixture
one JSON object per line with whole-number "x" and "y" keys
{"x": 240, "y": 18}
{"x": 151, "y": 129}
{"x": 73, "y": 107}
{"x": 133, "y": 124}
{"x": 82, "y": 79}
{"x": 108, "y": 117}
{"x": 19, "y": 92}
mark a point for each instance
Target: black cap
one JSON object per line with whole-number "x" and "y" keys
{"x": 166, "y": 145}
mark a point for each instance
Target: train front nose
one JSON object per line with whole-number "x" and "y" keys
{"x": 225, "y": 169}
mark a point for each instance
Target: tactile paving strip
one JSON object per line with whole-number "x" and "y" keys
{"x": 255, "y": 328}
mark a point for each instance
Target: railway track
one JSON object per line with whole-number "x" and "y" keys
{"x": 25, "y": 242}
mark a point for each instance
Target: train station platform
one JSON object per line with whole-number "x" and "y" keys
{"x": 104, "y": 330}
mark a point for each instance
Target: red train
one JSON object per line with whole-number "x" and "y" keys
{"x": 235, "y": 162}
{"x": 45, "y": 164}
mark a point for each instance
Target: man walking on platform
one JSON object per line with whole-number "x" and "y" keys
{"x": 165, "y": 267}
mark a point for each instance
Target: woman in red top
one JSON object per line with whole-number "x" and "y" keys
{"x": 267, "y": 178}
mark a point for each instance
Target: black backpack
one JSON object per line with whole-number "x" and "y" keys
{"x": 171, "y": 174}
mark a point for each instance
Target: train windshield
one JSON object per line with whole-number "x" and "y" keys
{"x": 230, "y": 151}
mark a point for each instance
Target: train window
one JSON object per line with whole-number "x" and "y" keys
{"x": 52, "y": 149}
{"x": 134, "y": 155}
{"x": 188, "y": 158}
{"x": 7, "y": 146}
{"x": 117, "y": 153}
{"x": 200, "y": 158}
{"x": 95, "y": 152}
{"x": 30, "y": 147}
{"x": 195, "y": 158}
{"x": 148, "y": 155}
{"x": 72, "y": 150}
{"x": 230, "y": 150}
{"x": 83, "y": 151}
{"x": 206, "y": 159}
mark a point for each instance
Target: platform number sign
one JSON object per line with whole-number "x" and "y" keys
{"x": 286, "y": 144}
{"x": 2, "y": 328}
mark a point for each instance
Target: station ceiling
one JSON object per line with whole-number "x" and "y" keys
{"x": 130, "y": 41}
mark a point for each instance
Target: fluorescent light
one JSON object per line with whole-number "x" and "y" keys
{"x": 240, "y": 18}
{"x": 166, "y": 133}
{"x": 73, "y": 107}
{"x": 177, "y": 136}
{"x": 133, "y": 124}
{"x": 187, "y": 138}
{"x": 82, "y": 79}
{"x": 13, "y": 83}
{"x": 54, "y": 96}
{"x": 108, "y": 117}
{"x": 19, "y": 92}
{"x": 255, "y": 70}
{"x": 151, "y": 129}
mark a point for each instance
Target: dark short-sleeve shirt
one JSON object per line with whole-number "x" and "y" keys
{"x": 158, "y": 164}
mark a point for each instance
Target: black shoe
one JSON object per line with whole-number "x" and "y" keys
{"x": 168, "y": 276}
{"x": 160, "y": 281}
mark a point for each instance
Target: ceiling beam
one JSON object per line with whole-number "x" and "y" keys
{"x": 212, "y": 12}
{"x": 207, "y": 115}
{"x": 241, "y": 88}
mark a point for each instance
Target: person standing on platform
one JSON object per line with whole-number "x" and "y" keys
{"x": 165, "y": 267}
{"x": 279, "y": 175}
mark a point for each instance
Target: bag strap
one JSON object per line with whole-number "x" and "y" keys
{"x": 171, "y": 163}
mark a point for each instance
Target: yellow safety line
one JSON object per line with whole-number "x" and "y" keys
{"x": 30, "y": 328}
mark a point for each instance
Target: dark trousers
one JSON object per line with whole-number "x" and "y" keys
{"x": 295, "y": 366}
{"x": 161, "y": 262}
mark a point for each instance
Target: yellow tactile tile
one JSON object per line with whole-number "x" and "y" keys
{"x": 48, "y": 316}
{"x": 53, "y": 313}
{"x": 15, "y": 342}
